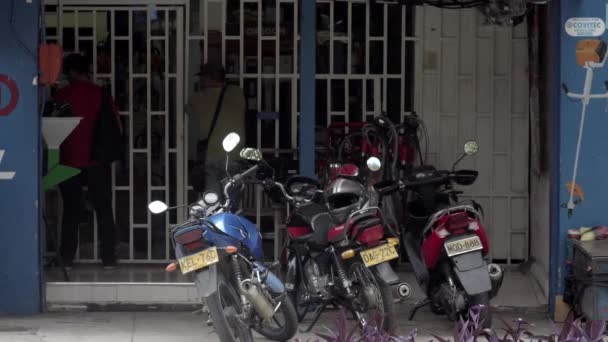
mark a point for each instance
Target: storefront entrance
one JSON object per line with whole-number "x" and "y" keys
{"x": 136, "y": 51}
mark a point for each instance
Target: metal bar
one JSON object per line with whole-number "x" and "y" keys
{"x": 277, "y": 83}
{"x": 241, "y": 46}
{"x": 402, "y": 71}
{"x": 131, "y": 251}
{"x": 76, "y": 40}
{"x": 331, "y": 37}
{"x": 258, "y": 193}
{"x": 166, "y": 120}
{"x": 349, "y": 30}
{"x": 385, "y": 59}
{"x": 149, "y": 122}
{"x": 295, "y": 91}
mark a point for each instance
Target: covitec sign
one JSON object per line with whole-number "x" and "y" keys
{"x": 585, "y": 27}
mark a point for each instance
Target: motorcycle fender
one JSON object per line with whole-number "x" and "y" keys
{"x": 206, "y": 281}
{"x": 472, "y": 272}
{"x": 386, "y": 273}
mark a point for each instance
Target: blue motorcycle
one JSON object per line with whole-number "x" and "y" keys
{"x": 224, "y": 253}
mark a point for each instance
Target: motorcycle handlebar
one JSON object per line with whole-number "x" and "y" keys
{"x": 236, "y": 179}
{"x": 442, "y": 177}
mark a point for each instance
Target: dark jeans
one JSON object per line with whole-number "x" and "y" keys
{"x": 98, "y": 179}
{"x": 215, "y": 172}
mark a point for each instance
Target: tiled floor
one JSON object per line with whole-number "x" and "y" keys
{"x": 186, "y": 327}
{"x": 144, "y": 284}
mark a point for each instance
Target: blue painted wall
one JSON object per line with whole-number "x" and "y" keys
{"x": 593, "y": 163}
{"x": 19, "y": 136}
{"x": 307, "y": 89}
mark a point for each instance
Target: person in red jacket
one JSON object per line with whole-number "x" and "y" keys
{"x": 85, "y": 99}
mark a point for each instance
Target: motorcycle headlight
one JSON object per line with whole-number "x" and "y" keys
{"x": 211, "y": 198}
{"x": 195, "y": 209}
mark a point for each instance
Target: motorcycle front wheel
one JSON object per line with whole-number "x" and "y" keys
{"x": 369, "y": 287}
{"x": 224, "y": 309}
{"x": 284, "y": 323}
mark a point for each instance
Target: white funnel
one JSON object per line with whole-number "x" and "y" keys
{"x": 55, "y": 130}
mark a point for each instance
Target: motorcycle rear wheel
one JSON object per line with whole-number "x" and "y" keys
{"x": 362, "y": 275}
{"x": 224, "y": 306}
{"x": 483, "y": 300}
{"x": 287, "y": 326}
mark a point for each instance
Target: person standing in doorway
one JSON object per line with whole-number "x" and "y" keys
{"x": 85, "y": 99}
{"x": 215, "y": 110}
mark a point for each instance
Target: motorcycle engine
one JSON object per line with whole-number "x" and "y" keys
{"x": 317, "y": 282}
{"x": 451, "y": 299}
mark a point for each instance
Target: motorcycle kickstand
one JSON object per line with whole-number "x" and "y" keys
{"x": 418, "y": 307}
{"x": 318, "y": 313}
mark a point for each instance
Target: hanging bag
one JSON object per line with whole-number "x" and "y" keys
{"x": 198, "y": 171}
{"x": 108, "y": 141}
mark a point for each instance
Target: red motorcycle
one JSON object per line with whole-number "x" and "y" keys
{"x": 446, "y": 242}
{"x": 338, "y": 254}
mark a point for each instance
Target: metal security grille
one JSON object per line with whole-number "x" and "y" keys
{"x": 365, "y": 58}
{"x": 134, "y": 50}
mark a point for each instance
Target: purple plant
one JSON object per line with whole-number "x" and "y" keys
{"x": 467, "y": 330}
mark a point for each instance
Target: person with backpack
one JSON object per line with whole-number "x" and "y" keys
{"x": 216, "y": 110}
{"x": 92, "y": 147}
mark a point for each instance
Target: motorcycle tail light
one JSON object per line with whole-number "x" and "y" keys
{"x": 474, "y": 226}
{"x": 194, "y": 245}
{"x": 189, "y": 236}
{"x": 442, "y": 232}
{"x": 371, "y": 234}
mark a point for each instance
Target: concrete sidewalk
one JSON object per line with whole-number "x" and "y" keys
{"x": 186, "y": 327}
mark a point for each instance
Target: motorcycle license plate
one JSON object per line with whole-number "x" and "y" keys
{"x": 199, "y": 260}
{"x": 377, "y": 255}
{"x": 458, "y": 247}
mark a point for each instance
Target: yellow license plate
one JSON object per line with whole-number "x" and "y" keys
{"x": 199, "y": 260}
{"x": 458, "y": 247}
{"x": 377, "y": 255}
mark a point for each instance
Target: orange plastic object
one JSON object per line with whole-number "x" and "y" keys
{"x": 231, "y": 249}
{"x": 590, "y": 50}
{"x": 171, "y": 267}
{"x": 578, "y": 191}
{"x": 50, "y": 58}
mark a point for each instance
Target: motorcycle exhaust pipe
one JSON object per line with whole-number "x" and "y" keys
{"x": 258, "y": 300}
{"x": 496, "y": 276}
{"x": 402, "y": 291}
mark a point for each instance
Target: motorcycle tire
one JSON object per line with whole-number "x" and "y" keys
{"x": 388, "y": 310}
{"x": 483, "y": 299}
{"x": 223, "y": 318}
{"x": 290, "y": 323}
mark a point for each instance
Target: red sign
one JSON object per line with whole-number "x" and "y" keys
{"x": 13, "y": 93}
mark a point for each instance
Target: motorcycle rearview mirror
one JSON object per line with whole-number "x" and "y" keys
{"x": 374, "y": 164}
{"x": 252, "y": 154}
{"x": 471, "y": 148}
{"x": 230, "y": 142}
{"x": 380, "y": 120}
{"x": 157, "y": 207}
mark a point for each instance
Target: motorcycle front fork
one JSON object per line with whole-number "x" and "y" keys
{"x": 345, "y": 282}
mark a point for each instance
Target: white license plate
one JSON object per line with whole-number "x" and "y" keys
{"x": 467, "y": 245}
